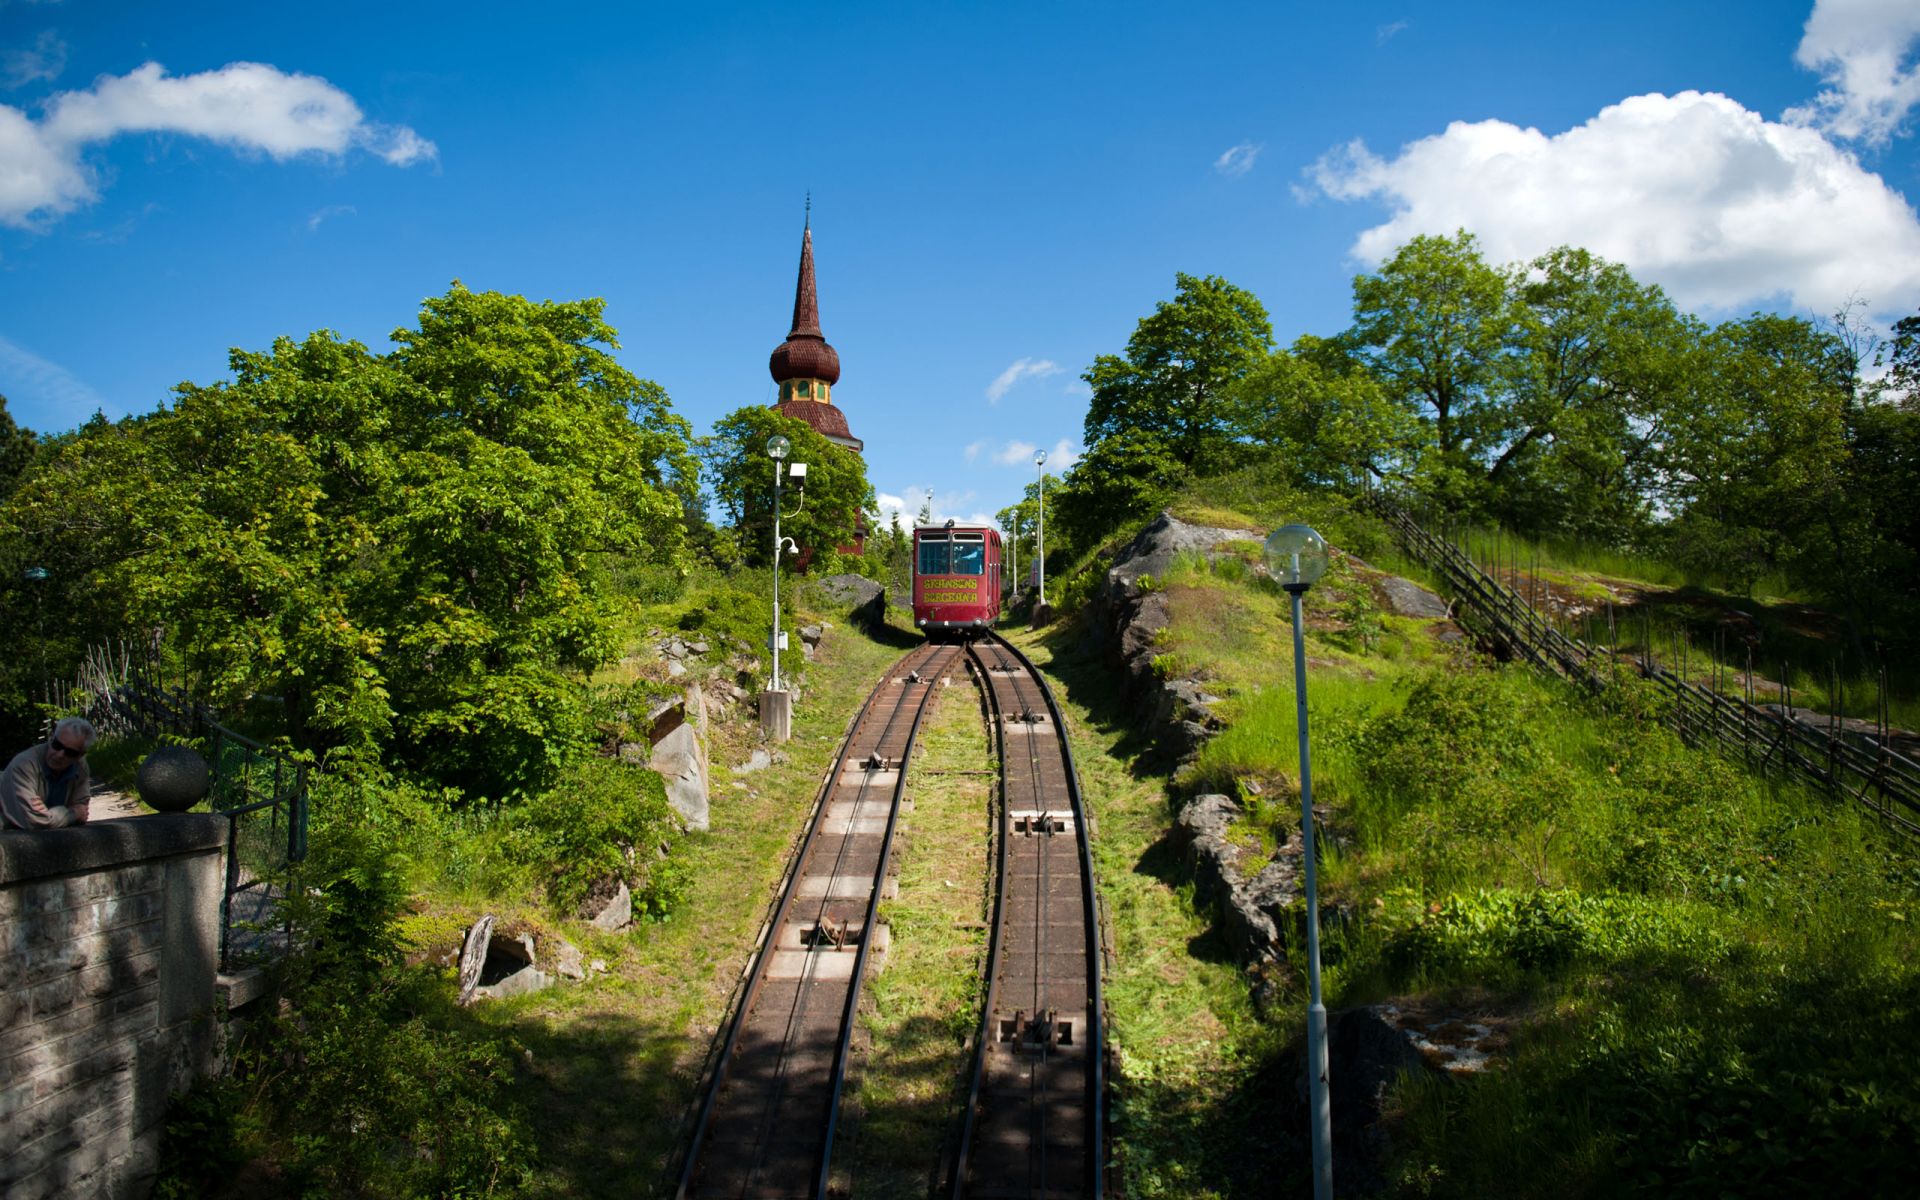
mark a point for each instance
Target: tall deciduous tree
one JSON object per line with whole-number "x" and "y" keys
{"x": 837, "y": 496}
{"x": 404, "y": 548}
{"x": 1176, "y": 383}
{"x": 1594, "y": 362}
{"x": 1327, "y": 418}
{"x": 1760, "y": 464}
{"x": 1434, "y": 325}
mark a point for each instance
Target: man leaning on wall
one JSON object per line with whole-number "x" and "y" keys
{"x": 45, "y": 786}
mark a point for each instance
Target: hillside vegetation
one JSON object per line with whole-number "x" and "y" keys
{"x": 1697, "y": 975}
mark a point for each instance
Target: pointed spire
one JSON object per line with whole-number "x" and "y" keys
{"x": 805, "y": 354}
{"x": 806, "y": 301}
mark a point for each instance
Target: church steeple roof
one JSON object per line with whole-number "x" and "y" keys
{"x": 805, "y": 354}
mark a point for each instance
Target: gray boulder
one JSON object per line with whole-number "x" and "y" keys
{"x": 618, "y": 912}
{"x": 682, "y": 762}
{"x": 1253, "y": 908}
{"x": 1406, "y": 598}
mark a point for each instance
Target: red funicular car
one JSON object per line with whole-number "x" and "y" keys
{"x": 956, "y": 580}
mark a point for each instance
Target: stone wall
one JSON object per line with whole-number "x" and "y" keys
{"x": 109, "y": 945}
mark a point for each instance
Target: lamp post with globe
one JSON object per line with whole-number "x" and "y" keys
{"x": 776, "y": 710}
{"x": 1297, "y": 556}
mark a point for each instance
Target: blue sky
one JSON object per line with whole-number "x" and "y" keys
{"x": 999, "y": 191}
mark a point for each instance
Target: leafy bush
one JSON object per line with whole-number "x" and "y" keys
{"x": 604, "y": 819}
{"x": 359, "y": 1078}
{"x": 1456, "y": 726}
{"x": 1488, "y": 932}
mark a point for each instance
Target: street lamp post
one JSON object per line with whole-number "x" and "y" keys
{"x": 778, "y": 447}
{"x": 1297, "y": 556}
{"x": 1040, "y": 537}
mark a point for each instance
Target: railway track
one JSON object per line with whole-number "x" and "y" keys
{"x": 1033, "y": 1116}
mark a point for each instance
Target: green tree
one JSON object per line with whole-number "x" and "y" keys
{"x": 1758, "y": 471}
{"x": 1327, "y": 418}
{"x": 1119, "y": 481}
{"x": 404, "y": 549}
{"x": 824, "y": 516}
{"x": 1433, "y": 325}
{"x": 17, "y": 447}
{"x": 1176, "y": 383}
{"x": 1594, "y": 361}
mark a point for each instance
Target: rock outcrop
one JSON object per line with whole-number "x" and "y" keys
{"x": 1252, "y": 898}
{"x": 1128, "y": 614}
{"x": 865, "y": 600}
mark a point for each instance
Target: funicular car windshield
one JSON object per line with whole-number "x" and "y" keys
{"x": 933, "y": 554}
{"x": 969, "y": 557}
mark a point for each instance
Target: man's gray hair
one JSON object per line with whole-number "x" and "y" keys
{"x": 79, "y": 725}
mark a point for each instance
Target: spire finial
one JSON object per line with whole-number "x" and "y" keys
{"x": 809, "y": 222}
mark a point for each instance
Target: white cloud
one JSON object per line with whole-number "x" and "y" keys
{"x": 44, "y": 60}
{"x": 1384, "y": 32}
{"x": 1863, "y": 52}
{"x": 1015, "y": 454}
{"x": 326, "y": 214}
{"x": 1693, "y": 191}
{"x": 26, "y": 379}
{"x": 1023, "y": 368}
{"x": 248, "y": 106}
{"x": 974, "y": 448}
{"x": 1020, "y": 454}
{"x": 907, "y": 504}
{"x": 1237, "y": 160}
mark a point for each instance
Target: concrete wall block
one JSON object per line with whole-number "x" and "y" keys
{"x": 132, "y": 1174}
{"x": 55, "y": 996}
{"x": 118, "y": 975}
{"x": 70, "y": 1037}
{"x": 56, "y": 955}
{"x": 109, "y": 940}
{"x": 14, "y": 1008}
{"x": 112, "y": 1090}
{"x": 76, "y": 1020}
{"x": 76, "y": 1060}
{"x": 116, "y": 911}
{"x": 94, "y": 1143}
{"x": 193, "y": 886}
{"x": 15, "y": 1096}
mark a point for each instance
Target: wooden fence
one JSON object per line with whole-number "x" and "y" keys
{"x": 1861, "y": 766}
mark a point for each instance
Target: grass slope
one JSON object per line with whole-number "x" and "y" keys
{"x": 1708, "y": 978}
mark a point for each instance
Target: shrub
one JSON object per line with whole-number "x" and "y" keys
{"x": 604, "y": 819}
{"x": 359, "y": 1078}
{"x": 1488, "y": 932}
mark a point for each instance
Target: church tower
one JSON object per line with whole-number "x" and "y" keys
{"x": 805, "y": 366}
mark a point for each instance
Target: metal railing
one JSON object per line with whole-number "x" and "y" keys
{"x": 1861, "y": 766}
{"x": 261, "y": 792}
{"x": 264, "y": 797}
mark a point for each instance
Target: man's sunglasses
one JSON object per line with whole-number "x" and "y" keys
{"x": 65, "y": 749}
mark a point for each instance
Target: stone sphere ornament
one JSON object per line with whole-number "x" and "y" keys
{"x": 173, "y": 779}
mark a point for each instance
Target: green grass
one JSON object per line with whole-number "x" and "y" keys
{"x": 1188, "y": 1100}
{"x": 1709, "y": 974}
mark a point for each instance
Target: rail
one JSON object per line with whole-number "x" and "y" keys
{"x": 1863, "y": 768}
{"x": 769, "y": 1113}
{"x": 1034, "y": 1121}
